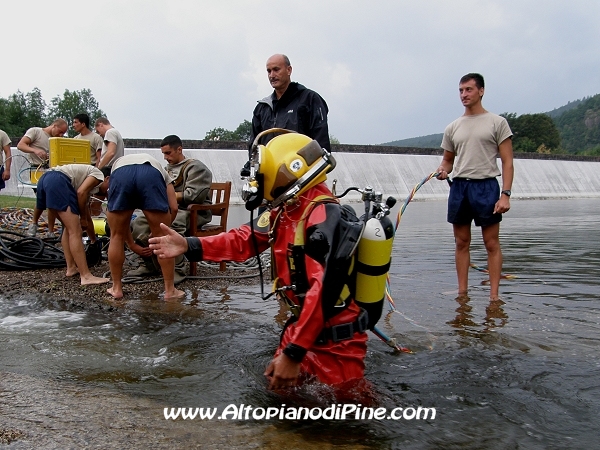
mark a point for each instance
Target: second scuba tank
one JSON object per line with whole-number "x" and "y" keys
{"x": 373, "y": 264}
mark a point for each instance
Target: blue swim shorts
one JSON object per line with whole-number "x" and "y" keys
{"x": 137, "y": 186}
{"x": 55, "y": 191}
{"x": 473, "y": 200}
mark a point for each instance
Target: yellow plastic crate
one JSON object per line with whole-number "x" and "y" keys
{"x": 69, "y": 151}
{"x": 35, "y": 173}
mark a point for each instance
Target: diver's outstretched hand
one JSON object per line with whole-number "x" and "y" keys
{"x": 170, "y": 245}
{"x": 282, "y": 372}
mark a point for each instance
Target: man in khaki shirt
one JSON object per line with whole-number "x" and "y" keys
{"x": 36, "y": 142}
{"x": 5, "y": 144}
{"x": 66, "y": 190}
{"x": 81, "y": 124}
{"x": 113, "y": 146}
{"x": 471, "y": 146}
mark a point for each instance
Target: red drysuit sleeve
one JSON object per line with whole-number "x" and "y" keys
{"x": 234, "y": 245}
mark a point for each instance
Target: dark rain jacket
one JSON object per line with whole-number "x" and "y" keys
{"x": 299, "y": 109}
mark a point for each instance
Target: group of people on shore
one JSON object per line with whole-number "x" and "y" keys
{"x": 320, "y": 341}
{"x": 139, "y": 181}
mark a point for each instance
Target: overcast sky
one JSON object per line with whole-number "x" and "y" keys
{"x": 388, "y": 69}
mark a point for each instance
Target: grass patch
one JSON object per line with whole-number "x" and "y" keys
{"x": 12, "y": 201}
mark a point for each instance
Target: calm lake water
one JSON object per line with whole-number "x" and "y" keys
{"x": 522, "y": 374}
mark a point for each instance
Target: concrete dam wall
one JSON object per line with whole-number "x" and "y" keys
{"x": 391, "y": 174}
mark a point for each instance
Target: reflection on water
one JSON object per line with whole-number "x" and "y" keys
{"x": 495, "y": 316}
{"x": 522, "y": 372}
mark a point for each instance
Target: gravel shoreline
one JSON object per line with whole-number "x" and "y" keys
{"x": 68, "y": 290}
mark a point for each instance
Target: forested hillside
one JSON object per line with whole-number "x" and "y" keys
{"x": 580, "y": 127}
{"x": 572, "y": 128}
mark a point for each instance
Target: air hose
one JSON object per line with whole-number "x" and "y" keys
{"x": 18, "y": 252}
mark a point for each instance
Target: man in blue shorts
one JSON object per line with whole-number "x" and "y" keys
{"x": 65, "y": 191}
{"x": 475, "y": 140}
{"x": 139, "y": 181}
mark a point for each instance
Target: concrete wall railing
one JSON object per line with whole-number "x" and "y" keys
{"x": 393, "y": 174}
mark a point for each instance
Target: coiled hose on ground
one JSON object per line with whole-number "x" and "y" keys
{"x": 19, "y": 252}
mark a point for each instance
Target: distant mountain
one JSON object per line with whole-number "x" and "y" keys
{"x": 429, "y": 141}
{"x": 556, "y": 113}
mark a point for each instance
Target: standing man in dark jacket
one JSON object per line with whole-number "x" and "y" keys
{"x": 291, "y": 106}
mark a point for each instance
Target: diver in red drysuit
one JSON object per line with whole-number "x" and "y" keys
{"x": 325, "y": 339}
{"x": 330, "y": 363}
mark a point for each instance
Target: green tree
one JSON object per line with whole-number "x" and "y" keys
{"x": 531, "y": 131}
{"x": 72, "y": 103}
{"x": 219, "y": 134}
{"x": 241, "y": 133}
{"x": 19, "y": 112}
{"x": 333, "y": 139}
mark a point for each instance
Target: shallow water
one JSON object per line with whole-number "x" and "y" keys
{"x": 523, "y": 374}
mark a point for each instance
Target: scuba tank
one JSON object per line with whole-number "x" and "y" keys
{"x": 374, "y": 252}
{"x": 373, "y": 264}
{"x": 356, "y": 252}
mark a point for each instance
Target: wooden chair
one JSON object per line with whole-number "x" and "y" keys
{"x": 219, "y": 195}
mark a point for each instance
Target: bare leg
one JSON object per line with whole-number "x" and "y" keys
{"x": 75, "y": 247}
{"x": 462, "y": 256}
{"x": 71, "y": 266}
{"x": 51, "y": 220}
{"x": 491, "y": 239}
{"x": 167, "y": 266}
{"x": 119, "y": 222}
{"x": 37, "y": 213}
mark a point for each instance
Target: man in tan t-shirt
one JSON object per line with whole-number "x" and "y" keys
{"x": 5, "y": 144}
{"x": 66, "y": 190}
{"x": 471, "y": 145}
{"x": 113, "y": 146}
{"x": 81, "y": 124}
{"x": 36, "y": 142}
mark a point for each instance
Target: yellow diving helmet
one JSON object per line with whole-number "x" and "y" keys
{"x": 289, "y": 165}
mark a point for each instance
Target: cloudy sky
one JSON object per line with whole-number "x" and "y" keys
{"x": 388, "y": 69}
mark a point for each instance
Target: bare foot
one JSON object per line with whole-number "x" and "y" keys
{"x": 115, "y": 292}
{"x": 175, "y": 294}
{"x": 72, "y": 272}
{"x": 91, "y": 279}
